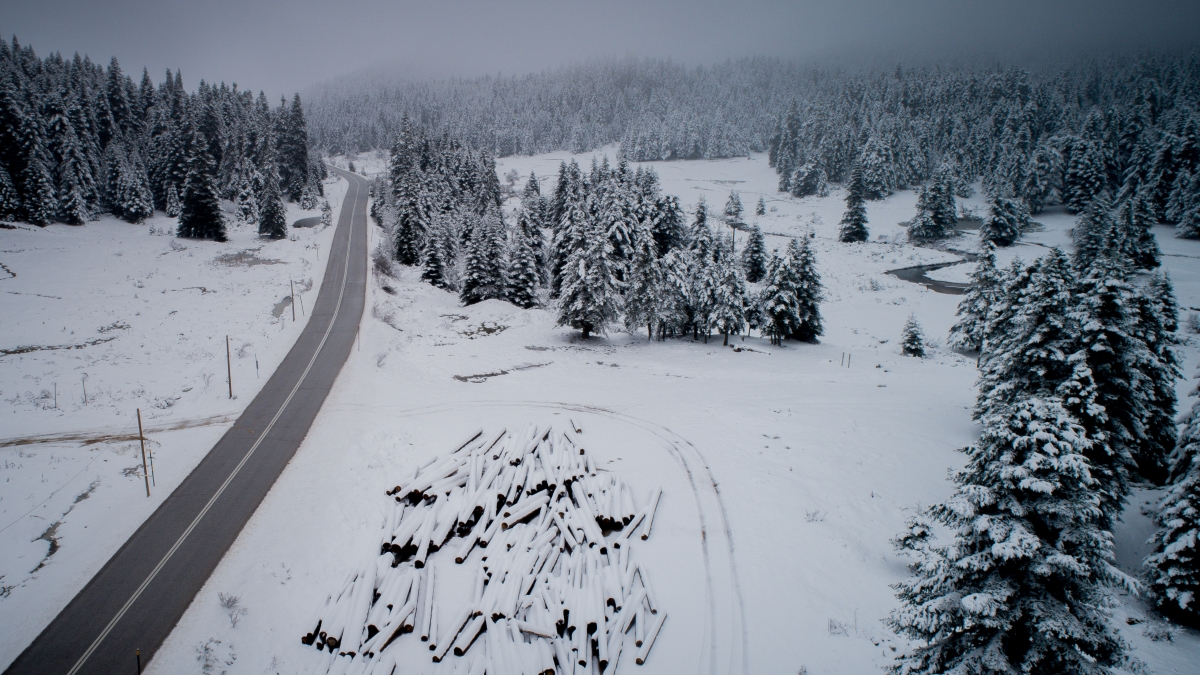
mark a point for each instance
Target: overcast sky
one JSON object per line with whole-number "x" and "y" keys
{"x": 283, "y": 46}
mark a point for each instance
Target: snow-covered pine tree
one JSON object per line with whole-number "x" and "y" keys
{"x": 1156, "y": 318}
{"x": 786, "y": 302}
{"x": 1093, "y": 233}
{"x": 643, "y": 284}
{"x": 728, "y": 311}
{"x": 10, "y": 202}
{"x": 733, "y": 209}
{"x": 675, "y": 308}
{"x": 973, "y": 310}
{"x": 754, "y": 256}
{"x": 200, "y": 214}
{"x": 1085, "y": 177}
{"x": 1131, "y": 226}
{"x": 136, "y": 201}
{"x": 173, "y": 205}
{"x": 247, "y": 201}
{"x": 854, "y": 221}
{"x": 936, "y": 209}
{"x": 1005, "y": 221}
{"x": 761, "y": 208}
{"x": 529, "y": 229}
{"x": 484, "y": 274}
{"x": 668, "y": 225}
{"x": 308, "y": 198}
{"x": 591, "y": 293}
{"x": 912, "y": 339}
{"x": 272, "y": 216}
{"x": 1020, "y": 589}
{"x": 809, "y": 294}
{"x": 1041, "y": 184}
{"x": 326, "y": 213}
{"x": 521, "y": 278}
{"x": 439, "y": 255}
{"x": 1174, "y": 566}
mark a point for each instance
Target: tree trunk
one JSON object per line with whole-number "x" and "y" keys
{"x": 726, "y": 343}
{"x": 649, "y": 331}
{"x": 587, "y": 330}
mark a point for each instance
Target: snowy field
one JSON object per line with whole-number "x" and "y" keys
{"x": 140, "y": 319}
{"x": 785, "y": 473}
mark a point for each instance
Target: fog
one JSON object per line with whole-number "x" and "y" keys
{"x": 282, "y": 46}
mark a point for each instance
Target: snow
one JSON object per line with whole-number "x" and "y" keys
{"x": 785, "y": 472}
{"x": 157, "y": 309}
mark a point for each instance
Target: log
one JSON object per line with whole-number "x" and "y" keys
{"x": 532, "y": 629}
{"x": 649, "y": 590}
{"x": 644, "y": 652}
{"x": 652, "y": 507}
{"x": 467, "y": 636}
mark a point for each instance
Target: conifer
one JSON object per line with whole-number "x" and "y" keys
{"x": 200, "y": 214}
{"x": 728, "y": 313}
{"x": 173, "y": 206}
{"x": 1020, "y": 589}
{"x": 761, "y": 208}
{"x": 1093, "y": 233}
{"x": 590, "y": 297}
{"x": 643, "y": 285}
{"x": 1174, "y": 565}
{"x": 754, "y": 256}
{"x": 790, "y": 301}
{"x": 733, "y": 208}
{"x": 973, "y": 310}
{"x": 1005, "y": 221}
{"x": 484, "y": 275}
{"x": 854, "y": 221}
{"x": 912, "y": 340}
{"x": 521, "y": 278}
{"x": 1156, "y": 318}
{"x": 272, "y": 216}
{"x": 326, "y": 213}
{"x": 439, "y": 253}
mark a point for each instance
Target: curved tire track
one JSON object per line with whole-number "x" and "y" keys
{"x": 723, "y": 586}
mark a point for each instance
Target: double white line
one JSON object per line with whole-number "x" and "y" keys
{"x": 162, "y": 563}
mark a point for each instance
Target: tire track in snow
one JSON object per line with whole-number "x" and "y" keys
{"x": 724, "y": 597}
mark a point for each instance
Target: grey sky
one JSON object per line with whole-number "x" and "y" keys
{"x": 285, "y": 46}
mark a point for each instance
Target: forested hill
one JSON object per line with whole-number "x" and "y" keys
{"x": 78, "y": 139}
{"x": 1061, "y": 133}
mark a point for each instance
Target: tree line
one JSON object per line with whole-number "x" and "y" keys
{"x": 78, "y": 140}
{"x": 1124, "y": 129}
{"x": 604, "y": 247}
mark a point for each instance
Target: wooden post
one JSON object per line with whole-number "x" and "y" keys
{"x": 301, "y": 304}
{"x": 138, "y": 653}
{"x": 84, "y": 381}
{"x": 229, "y": 367}
{"x": 145, "y": 469}
{"x": 56, "y": 394}
{"x": 292, "y": 285}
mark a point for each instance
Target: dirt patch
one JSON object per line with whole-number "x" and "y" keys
{"x": 247, "y": 258}
{"x": 484, "y": 377}
{"x": 11, "y": 274}
{"x": 281, "y": 306}
{"x": 51, "y": 536}
{"x": 92, "y": 438}
{"x": 116, "y": 325}
{"x": 42, "y": 348}
{"x": 483, "y": 330}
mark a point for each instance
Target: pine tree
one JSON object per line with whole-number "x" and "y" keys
{"x": 733, "y": 209}
{"x": 973, "y": 310}
{"x": 854, "y": 221}
{"x": 1174, "y": 566}
{"x": 484, "y": 275}
{"x": 200, "y": 214}
{"x": 521, "y": 278}
{"x": 1005, "y": 221}
{"x": 272, "y": 215}
{"x": 1156, "y": 318}
{"x": 1020, "y": 588}
{"x": 439, "y": 254}
{"x": 936, "y": 209}
{"x": 10, "y": 203}
{"x": 728, "y": 313}
{"x": 591, "y": 295}
{"x": 788, "y": 303}
{"x": 173, "y": 206}
{"x": 644, "y": 285}
{"x": 809, "y": 293}
{"x": 1093, "y": 233}
{"x": 754, "y": 256}
{"x": 326, "y": 213}
{"x": 761, "y": 208}
{"x": 1131, "y": 227}
{"x": 1085, "y": 178}
{"x": 912, "y": 340}
{"x": 308, "y": 198}
{"x": 135, "y": 200}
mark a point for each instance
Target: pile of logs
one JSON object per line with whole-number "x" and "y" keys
{"x": 556, "y": 587}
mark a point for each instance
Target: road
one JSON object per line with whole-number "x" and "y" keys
{"x": 139, "y": 595}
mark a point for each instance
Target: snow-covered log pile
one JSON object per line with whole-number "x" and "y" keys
{"x": 556, "y": 586}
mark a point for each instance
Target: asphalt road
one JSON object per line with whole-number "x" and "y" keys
{"x": 139, "y": 595}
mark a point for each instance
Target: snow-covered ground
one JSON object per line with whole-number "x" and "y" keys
{"x": 140, "y": 318}
{"x": 785, "y": 472}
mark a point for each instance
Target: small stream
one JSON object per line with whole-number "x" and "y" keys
{"x": 917, "y": 274}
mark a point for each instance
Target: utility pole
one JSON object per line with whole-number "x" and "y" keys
{"x": 145, "y": 469}
{"x": 292, "y": 285}
{"x": 229, "y": 367}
